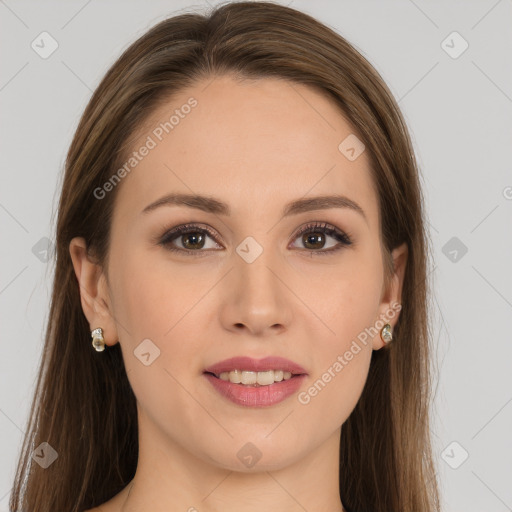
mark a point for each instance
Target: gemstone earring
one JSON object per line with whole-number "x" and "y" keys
{"x": 98, "y": 342}
{"x": 386, "y": 334}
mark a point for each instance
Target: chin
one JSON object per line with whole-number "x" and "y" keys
{"x": 254, "y": 453}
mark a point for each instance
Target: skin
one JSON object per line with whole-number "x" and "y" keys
{"x": 255, "y": 145}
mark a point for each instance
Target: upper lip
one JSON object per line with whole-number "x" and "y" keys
{"x": 256, "y": 365}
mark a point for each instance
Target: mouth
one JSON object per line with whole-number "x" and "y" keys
{"x": 256, "y": 382}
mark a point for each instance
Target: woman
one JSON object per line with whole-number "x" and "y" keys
{"x": 239, "y": 312}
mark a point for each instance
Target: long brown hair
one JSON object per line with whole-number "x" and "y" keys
{"x": 84, "y": 407}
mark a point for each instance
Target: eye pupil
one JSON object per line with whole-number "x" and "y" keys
{"x": 309, "y": 240}
{"x": 195, "y": 237}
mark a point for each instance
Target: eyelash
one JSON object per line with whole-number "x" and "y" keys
{"x": 315, "y": 227}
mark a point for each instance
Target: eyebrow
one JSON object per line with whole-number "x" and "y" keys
{"x": 211, "y": 205}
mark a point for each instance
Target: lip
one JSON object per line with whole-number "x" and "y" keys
{"x": 256, "y": 396}
{"x": 256, "y": 365}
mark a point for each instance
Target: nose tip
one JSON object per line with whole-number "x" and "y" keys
{"x": 256, "y": 301}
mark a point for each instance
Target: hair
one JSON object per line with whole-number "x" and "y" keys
{"x": 84, "y": 407}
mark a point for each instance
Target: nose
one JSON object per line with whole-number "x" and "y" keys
{"x": 256, "y": 297}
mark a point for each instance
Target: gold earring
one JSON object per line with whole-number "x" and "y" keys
{"x": 386, "y": 334}
{"x": 98, "y": 342}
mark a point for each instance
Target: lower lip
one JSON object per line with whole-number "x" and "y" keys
{"x": 260, "y": 396}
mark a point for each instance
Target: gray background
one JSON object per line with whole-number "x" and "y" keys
{"x": 459, "y": 114}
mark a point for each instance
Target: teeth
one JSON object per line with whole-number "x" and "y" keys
{"x": 235, "y": 376}
{"x": 255, "y": 378}
{"x": 265, "y": 378}
{"x": 249, "y": 377}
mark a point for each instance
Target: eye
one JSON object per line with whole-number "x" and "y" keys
{"x": 314, "y": 235}
{"x": 193, "y": 238}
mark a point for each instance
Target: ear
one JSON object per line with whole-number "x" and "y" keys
{"x": 390, "y": 306}
{"x": 94, "y": 294}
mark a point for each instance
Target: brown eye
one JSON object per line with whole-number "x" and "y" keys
{"x": 192, "y": 238}
{"x": 314, "y": 238}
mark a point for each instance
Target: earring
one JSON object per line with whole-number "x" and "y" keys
{"x": 98, "y": 342}
{"x": 386, "y": 334}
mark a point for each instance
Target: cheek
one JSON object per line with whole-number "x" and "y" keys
{"x": 156, "y": 301}
{"x": 342, "y": 354}
{"x": 347, "y": 305}
{"x": 153, "y": 297}
{"x": 153, "y": 307}
{"x": 333, "y": 393}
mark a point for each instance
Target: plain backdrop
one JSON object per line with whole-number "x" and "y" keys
{"x": 448, "y": 65}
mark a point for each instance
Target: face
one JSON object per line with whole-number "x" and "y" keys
{"x": 249, "y": 276}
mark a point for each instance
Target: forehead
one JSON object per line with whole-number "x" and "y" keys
{"x": 254, "y": 143}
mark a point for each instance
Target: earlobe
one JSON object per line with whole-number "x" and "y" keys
{"x": 93, "y": 290}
